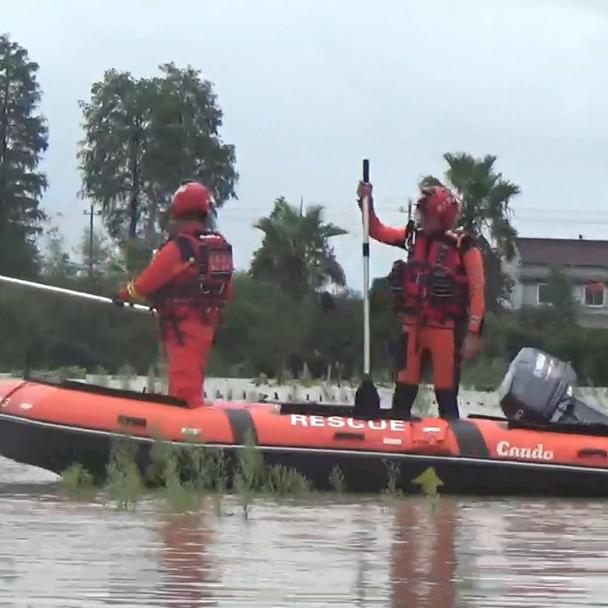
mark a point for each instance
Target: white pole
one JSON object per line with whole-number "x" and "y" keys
{"x": 365, "y": 209}
{"x": 74, "y": 294}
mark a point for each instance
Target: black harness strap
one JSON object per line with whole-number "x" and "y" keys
{"x": 186, "y": 250}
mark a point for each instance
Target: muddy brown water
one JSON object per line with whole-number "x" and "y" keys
{"x": 341, "y": 551}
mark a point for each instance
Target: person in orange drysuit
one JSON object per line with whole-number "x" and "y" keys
{"x": 189, "y": 281}
{"x": 439, "y": 292}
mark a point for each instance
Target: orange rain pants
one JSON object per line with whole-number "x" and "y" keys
{"x": 436, "y": 343}
{"x": 439, "y": 344}
{"x": 187, "y": 344}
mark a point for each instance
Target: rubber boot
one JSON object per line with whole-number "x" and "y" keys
{"x": 447, "y": 403}
{"x": 403, "y": 400}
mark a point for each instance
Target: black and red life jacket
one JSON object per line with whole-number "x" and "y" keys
{"x": 433, "y": 283}
{"x": 205, "y": 280}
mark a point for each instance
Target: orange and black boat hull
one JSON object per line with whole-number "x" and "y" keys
{"x": 53, "y": 427}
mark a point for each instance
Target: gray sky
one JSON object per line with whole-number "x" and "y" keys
{"x": 310, "y": 87}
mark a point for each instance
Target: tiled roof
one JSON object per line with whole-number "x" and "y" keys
{"x": 563, "y": 252}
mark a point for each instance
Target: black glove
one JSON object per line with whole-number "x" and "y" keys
{"x": 117, "y": 301}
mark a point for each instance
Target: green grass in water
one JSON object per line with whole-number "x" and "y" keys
{"x": 76, "y": 479}
{"x": 186, "y": 473}
{"x": 393, "y": 473}
{"x": 283, "y": 481}
{"x": 124, "y": 485}
{"x": 336, "y": 480}
{"x": 253, "y": 477}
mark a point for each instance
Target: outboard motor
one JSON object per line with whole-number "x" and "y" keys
{"x": 539, "y": 388}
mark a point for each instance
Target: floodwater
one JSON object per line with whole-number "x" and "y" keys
{"x": 315, "y": 552}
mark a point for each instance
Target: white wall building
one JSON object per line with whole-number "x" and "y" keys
{"x": 584, "y": 262}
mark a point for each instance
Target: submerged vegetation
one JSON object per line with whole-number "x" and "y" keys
{"x": 124, "y": 481}
{"x": 77, "y": 479}
{"x": 393, "y": 473}
{"x": 336, "y": 480}
{"x": 183, "y": 475}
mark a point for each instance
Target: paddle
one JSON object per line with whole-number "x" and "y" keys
{"x": 76, "y": 294}
{"x": 367, "y": 400}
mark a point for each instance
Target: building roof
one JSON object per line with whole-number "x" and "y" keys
{"x": 563, "y": 252}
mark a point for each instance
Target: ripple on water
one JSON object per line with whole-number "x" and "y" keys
{"x": 338, "y": 552}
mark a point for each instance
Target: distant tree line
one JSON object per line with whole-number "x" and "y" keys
{"x": 292, "y": 313}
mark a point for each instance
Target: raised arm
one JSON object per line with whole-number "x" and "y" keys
{"x": 390, "y": 235}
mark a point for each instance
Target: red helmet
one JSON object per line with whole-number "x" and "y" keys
{"x": 439, "y": 202}
{"x": 190, "y": 199}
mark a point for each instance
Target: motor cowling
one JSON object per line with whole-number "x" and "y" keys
{"x": 540, "y": 388}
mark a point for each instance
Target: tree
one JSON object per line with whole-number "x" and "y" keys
{"x": 186, "y": 120}
{"x": 335, "y": 335}
{"x": 486, "y": 196}
{"x": 264, "y": 327}
{"x": 56, "y": 263}
{"x": 112, "y": 153}
{"x": 561, "y": 298}
{"x": 23, "y": 139}
{"x": 142, "y": 137}
{"x": 94, "y": 253}
{"x": 386, "y": 332}
{"x": 295, "y": 252}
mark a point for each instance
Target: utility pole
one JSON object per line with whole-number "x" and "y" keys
{"x": 91, "y": 213}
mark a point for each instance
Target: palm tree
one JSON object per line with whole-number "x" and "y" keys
{"x": 486, "y": 196}
{"x": 295, "y": 252}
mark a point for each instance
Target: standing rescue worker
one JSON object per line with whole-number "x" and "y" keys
{"x": 189, "y": 281}
{"x": 439, "y": 293}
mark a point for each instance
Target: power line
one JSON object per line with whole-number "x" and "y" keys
{"x": 91, "y": 213}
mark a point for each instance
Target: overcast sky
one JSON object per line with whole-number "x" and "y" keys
{"x": 310, "y": 87}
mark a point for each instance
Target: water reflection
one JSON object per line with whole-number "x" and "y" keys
{"x": 422, "y": 554}
{"x": 186, "y": 570}
{"x": 544, "y": 553}
{"x": 326, "y": 551}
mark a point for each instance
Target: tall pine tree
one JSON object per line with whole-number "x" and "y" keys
{"x": 23, "y": 139}
{"x": 112, "y": 153}
{"x": 142, "y": 137}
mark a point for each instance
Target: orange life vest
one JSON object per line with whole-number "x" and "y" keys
{"x": 204, "y": 282}
{"x": 432, "y": 283}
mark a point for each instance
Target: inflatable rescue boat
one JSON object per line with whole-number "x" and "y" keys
{"x": 549, "y": 443}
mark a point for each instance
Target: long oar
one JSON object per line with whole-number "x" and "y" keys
{"x": 367, "y": 400}
{"x": 75, "y": 294}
